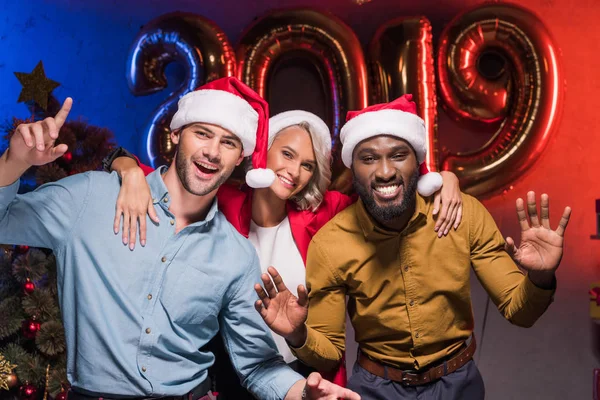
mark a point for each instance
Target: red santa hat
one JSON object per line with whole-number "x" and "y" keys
{"x": 283, "y": 120}
{"x": 397, "y": 118}
{"x": 230, "y": 104}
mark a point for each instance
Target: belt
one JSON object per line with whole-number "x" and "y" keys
{"x": 195, "y": 394}
{"x": 409, "y": 378}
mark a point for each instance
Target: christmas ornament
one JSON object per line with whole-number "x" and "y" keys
{"x": 29, "y": 286}
{"x": 36, "y": 86}
{"x": 68, "y": 156}
{"x": 7, "y": 378}
{"x": 22, "y": 249}
{"x": 27, "y": 392}
{"x": 30, "y": 328}
{"x": 12, "y": 380}
{"x": 61, "y": 396}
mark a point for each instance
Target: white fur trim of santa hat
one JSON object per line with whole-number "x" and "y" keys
{"x": 221, "y": 108}
{"x": 283, "y": 120}
{"x": 404, "y": 125}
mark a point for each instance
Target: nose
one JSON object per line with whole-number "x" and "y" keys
{"x": 385, "y": 171}
{"x": 212, "y": 150}
{"x": 294, "y": 170}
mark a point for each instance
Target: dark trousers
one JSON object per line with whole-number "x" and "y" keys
{"x": 463, "y": 384}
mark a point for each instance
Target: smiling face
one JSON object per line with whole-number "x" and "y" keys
{"x": 385, "y": 176}
{"x": 206, "y": 156}
{"x": 292, "y": 158}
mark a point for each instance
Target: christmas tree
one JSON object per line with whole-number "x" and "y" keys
{"x": 32, "y": 343}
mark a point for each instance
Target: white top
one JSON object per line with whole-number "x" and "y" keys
{"x": 276, "y": 247}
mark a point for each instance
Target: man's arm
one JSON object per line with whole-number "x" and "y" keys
{"x": 518, "y": 299}
{"x": 44, "y": 217}
{"x": 249, "y": 342}
{"x": 324, "y": 339}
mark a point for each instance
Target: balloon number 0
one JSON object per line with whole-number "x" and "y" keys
{"x": 497, "y": 64}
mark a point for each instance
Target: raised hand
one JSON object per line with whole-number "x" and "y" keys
{"x": 318, "y": 388}
{"x": 33, "y": 144}
{"x": 283, "y": 312}
{"x": 541, "y": 248}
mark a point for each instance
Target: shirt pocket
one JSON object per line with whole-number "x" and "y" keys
{"x": 191, "y": 295}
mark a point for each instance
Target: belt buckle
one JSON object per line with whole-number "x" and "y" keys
{"x": 406, "y": 379}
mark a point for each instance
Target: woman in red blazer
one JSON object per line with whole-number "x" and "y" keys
{"x": 282, "y": 219}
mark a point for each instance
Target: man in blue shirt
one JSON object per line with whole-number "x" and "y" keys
{"x": 135, "y": 321}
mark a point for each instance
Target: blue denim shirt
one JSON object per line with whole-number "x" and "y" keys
{"x": 135, "y": 321}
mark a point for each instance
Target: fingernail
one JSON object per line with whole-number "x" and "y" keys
{"x": 435, "y": 210}
{"x": 143, "y": 243}
{"x": 436, "y": 229}
{"x": 131, "y": 246}
{"x": 446, "y": 232}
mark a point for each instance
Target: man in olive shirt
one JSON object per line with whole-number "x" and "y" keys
{"x": 409, "y": 293}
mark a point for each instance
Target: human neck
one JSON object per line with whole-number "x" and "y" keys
{"x": 185, "y": 206}
{"x": 267, "y": 209}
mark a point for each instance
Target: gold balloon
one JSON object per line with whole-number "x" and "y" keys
{"x": 328, "y": 43}
{"x": 499, "y": 66}
{"x": 401, "y": 61}
{"x": 191, "y": 40}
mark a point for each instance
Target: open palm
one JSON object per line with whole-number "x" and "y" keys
{"x": 283, "y": 312}
{"x": 541, "y": 248}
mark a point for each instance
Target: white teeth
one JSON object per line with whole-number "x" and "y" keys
{"x": 387, "y": 189}
{"x": 207, "y": 166}
{"x": 284, "y": 180}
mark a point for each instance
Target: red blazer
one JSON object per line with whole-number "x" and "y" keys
{"x": 236, "y": 204}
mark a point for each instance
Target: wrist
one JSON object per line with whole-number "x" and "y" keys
{"x": 9, "y": 160}
{"x": 542, "y": 279}
{"x": 298, "y": 337}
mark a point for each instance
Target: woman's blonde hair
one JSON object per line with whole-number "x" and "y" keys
{"x": 311, "y": 196}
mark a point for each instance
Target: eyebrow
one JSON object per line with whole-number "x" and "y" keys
{"x": 232, "y": 137}
{"x": 400, "y": 147}
{"x": 201, "y": 127}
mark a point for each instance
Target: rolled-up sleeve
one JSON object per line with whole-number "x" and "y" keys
{"x": 249, "y": 342}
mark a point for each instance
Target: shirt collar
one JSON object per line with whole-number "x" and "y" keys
{"x": 372, "y": 230}
{"x": 160, "y": 193}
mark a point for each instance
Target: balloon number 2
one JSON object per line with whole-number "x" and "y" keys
{"x": 497, "y": 65}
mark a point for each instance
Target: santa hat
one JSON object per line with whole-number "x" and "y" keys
{"x": 397, "y": 118}
{"x": 230, "y": 104}
{"x": 286, "y": 119}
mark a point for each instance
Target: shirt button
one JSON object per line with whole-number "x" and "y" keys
{"x": 143, "y": 369}
{"x": 150, "y": 296}
{"x": 412, "y": 303}
{"x": 154, "y": 200}
{"x": 417, "y": 335}
{"x": 164, "y": 259}
{"x": 148, "y": 330}
{"x": 406, "y": 268}
{"x": 172, "y": 222}
{"x": 166, "y": 200}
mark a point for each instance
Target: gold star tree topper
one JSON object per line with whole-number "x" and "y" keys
{"x": 36, "y": 86}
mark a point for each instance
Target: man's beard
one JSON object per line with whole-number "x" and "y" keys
{"x": 391, "y": 212}
{"x": 185, "y": 173}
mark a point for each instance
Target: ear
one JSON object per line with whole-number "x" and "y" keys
{"x": 175, "y": 135}
{"x": 240, "y": 159}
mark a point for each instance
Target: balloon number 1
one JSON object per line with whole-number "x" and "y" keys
{"x": 497, "y": 65}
